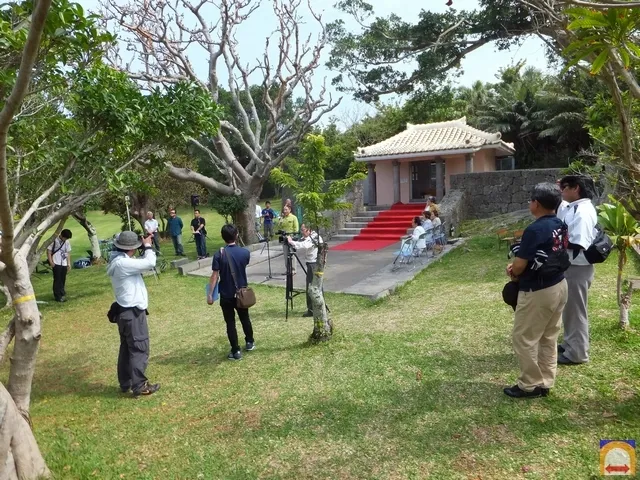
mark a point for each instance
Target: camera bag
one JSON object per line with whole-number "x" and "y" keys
{"x": 245, "y": 296}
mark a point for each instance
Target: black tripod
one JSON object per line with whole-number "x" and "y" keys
{"x": 290, "y": 292}
{"x": 265, "y": 240}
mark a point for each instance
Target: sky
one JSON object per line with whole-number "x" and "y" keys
{"x": 482, "y": 64}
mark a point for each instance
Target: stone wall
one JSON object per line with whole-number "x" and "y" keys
{"x": 452, "y": 209}
{"x": 355, "y": 197}
{"x": 488, "y": 194}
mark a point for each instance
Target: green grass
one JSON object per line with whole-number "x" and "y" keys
{"x": 108, "y": 225}
{"x": 410, "y": 387}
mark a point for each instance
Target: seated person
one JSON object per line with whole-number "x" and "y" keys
{"x": 435, "y": 218}
{"x": 427, "y": 224}
{"x": 418, "y": 230}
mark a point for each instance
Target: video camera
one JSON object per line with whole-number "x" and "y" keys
{"x": 282, "y": 238}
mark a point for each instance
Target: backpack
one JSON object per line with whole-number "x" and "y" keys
{"x": 601, "y": 246}
{"x": 600, "y": 249}
{"x": 550, "y": 265}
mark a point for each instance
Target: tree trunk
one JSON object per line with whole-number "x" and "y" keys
{"x": 20, "y": 457}
{"x": 621, "y": 262}
{"x": 7, "y": 295}
{"x": 625, "y": 305}
{"x": 27, "y": 332}
{"x": 6, "y": 337}
{"x": 81, "y": 218}
{"x": 322, "y": 324}
{"x": 246, "y": 220}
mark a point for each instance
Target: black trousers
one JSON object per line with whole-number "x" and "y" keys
{"x": 310, "y": 269}
{"x": 59, "y": 280}
{"x": 228, "y": 312}
{"x": 156, "y": 241}
{"x": 201, "y": 244}
{"x": 134, "y": 349}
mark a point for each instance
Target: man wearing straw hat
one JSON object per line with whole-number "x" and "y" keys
{"x": 129, "y": 311}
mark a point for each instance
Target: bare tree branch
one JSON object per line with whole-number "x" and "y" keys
{"x": 11, "y": 105}
{"x": 6, "y": 337}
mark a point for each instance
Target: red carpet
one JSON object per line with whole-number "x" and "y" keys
{"x": 385, "y": 229}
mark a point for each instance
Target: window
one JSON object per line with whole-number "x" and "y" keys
{"x": 505, "y": 163}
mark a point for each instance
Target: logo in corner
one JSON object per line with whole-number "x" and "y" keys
{"x": 618, "y": 457}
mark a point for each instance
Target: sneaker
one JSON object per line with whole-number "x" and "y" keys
{"x": 250, "y": 346}
{"x": 234, "y": 355}
{"x": 307, "y": 314}
{"x": 560, "y": 349}
{"x": 544, "y": 391}
{"x": 125, "y": 389}
{"x": 147, "y": 389}
{"x": 517, "y": 392}
{"x": 562, "y": 360}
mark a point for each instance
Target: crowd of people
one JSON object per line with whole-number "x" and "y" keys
{"x": 551, "y": 277}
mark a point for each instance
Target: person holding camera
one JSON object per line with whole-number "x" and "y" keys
{"x": 310, "y": 241}
{"x": 129, "y": 311}
{"x": 59, "y": 256}
{"x": 288, "y": 224}
{"x": 199, "y": 234}
{"x": 228, "y": 260}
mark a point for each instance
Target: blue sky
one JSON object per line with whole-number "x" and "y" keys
{"x": 483, "y": 64}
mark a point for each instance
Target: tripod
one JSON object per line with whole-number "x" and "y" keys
{"x": 265, "y": 240}
{"x": 290, "y": 293}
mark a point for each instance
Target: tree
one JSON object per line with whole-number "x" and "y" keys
{"x": 601, "y": 36}
{"x": 19, "y": 454}
{"x": 308, "y": 183}
{"x": 162, "y": 35}
{"x": 102, "y": 125}
{"x": 623, "y": 230}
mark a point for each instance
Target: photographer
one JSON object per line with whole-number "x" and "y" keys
{"x": 129, "y": 311}
{"x": 310, "y": 243}
{"x": 288, "y": 224}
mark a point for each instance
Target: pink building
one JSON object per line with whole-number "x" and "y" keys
{"x": 420, "y": 161}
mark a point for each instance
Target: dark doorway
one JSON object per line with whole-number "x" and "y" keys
{"x": 423, "y": 179}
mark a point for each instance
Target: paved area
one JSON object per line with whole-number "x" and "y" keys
{"x": 370, "y": 274}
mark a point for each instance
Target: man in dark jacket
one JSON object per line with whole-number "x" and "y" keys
{"x": 222, "y": 270}
{"x": 174, "y": 225}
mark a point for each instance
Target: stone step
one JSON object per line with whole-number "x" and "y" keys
{"x": 342, "y": 237}
{"x": 377, "y": 208}
{"x": 355, "y": 224}
{"x": 349, "y": 231}
{"x": 360, "y": 219}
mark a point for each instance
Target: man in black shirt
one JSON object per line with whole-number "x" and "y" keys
{"x": 227, "y": 289}
{"x": 199, "y": 233}
{"x": 542, "y": 295}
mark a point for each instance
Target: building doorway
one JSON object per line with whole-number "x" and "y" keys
{"x": 423, "y": 180}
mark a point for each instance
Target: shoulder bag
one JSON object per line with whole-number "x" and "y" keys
{"x": 245, "y": 296}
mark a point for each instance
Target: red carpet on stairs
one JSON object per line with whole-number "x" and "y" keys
{"x": 385, "y": 229}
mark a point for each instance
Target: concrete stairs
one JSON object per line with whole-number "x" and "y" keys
{"x": 357, "y": 223}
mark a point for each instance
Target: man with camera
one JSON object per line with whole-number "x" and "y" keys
{"x": 310, "y": 241}
{"x": 129, "y": 311}
{"x": 287, "y": 225}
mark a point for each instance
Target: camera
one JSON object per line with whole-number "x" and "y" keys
{"x": 282, "y": 238}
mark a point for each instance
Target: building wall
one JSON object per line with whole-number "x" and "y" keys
{"x": 454, "y": 165}
{"x": 384, "y": 183}
{"x": 485, "y": 161}
{"x": 487, "y": 194}
{"x": 405, "y": 181}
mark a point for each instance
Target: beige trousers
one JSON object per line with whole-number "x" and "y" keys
{"x": 535, "y": 335}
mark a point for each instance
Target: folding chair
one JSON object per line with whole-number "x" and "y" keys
{"x": 404, "y": 255}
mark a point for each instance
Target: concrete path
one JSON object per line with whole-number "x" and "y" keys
{"x": 370, "y": 274}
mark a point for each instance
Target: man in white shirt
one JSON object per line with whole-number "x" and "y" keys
{"x": 581, "y": 218}
{"x": 310, "y": 241}
{"x": 151, "y": 227}
{"x": 59, "y": 256}
{"x": 129, "y": 311}
{"x": 258, "y": 217}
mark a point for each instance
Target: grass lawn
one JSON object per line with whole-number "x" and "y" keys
{"x": 109, "y": 225}
{"x": 410, "y": 387}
